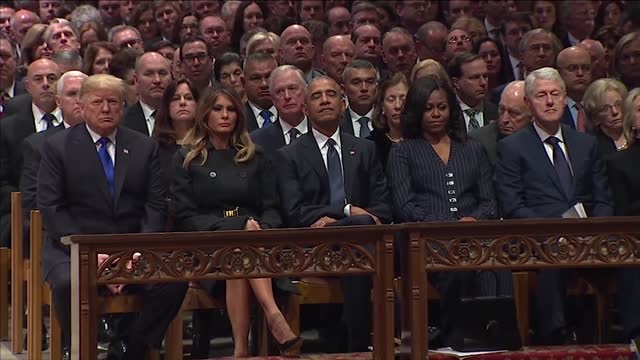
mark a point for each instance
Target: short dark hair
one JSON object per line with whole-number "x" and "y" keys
{"x": 161, "y": 44}
{"x": 123, "y": 61}
{"x": 518, "y": 16}
{"x": 454, "y": 68}
{"x": 12, "y": 43}
{"x": 193, "y": 39}
{"x": 415, "y": 104}
{"x": 224, "y": 60}
{"x": 259, "y": 56}
{"x": 360, "y": 64}
{"x": 355, "y": 36}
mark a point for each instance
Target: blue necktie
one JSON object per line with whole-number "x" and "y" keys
{"x": 364, "y": 127}
{"x": 49, "y": 118}
{"x": 561, "y": 165}
{"x": 334, "y": 170}
{"x": 293, "y": 134}
{"x": 107, "y": 163}
{"x": 266, "y": 115}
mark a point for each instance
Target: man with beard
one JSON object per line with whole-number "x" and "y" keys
{"x": 41, "y": 114}
{"x": 398, "y": 51}
{"x": 152, "y": 76}
{"x": 574, "y": 65}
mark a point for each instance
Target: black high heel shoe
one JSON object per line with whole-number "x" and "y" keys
{"x": 291, "y": 348}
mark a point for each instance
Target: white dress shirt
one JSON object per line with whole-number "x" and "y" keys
{"x": 490, "y": 29}
{"x": 40, "y": 123}
{"x": 302, "y": 128}
{"x": 356, "y": 125}
{"x": 11, "y": 90}
{"x": 256, "y": 112}
{"x": 548, "y": 147}
{"x": 111, "y": 146}
{"x": 150, "y": 120}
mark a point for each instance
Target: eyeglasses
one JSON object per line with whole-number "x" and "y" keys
{"x": 608, "y": 109}
{"x": 190, "y": 58}
{"x": 130, "y": 43}
{"x": 462, "y": 38}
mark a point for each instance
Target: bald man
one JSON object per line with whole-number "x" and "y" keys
{"x": 21, "y": 22}
{"x": 513, "y": 116}
{"x": 574, "y": 65}
{"x": 599, "y": 58}
{"x": 38, "y": 114}
{"x": 152, "y": 76}
{"x": 337, "y": 52}
{"x": 296, "y": 48}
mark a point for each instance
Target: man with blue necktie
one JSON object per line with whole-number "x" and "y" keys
{"x": 259, "y": 108}
{"x": 331, "y": 178}
{"x": 101, "y": 178}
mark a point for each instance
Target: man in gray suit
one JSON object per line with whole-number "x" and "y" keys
{"x": 513, "y": 115}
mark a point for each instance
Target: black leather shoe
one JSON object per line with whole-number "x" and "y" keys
{"x": 66, "y": 354}
{"x": 45, "y": 340}
{"x": 126, "y": 350}
{"x": 106, "y": 331}
{"x": 562, "y": 336}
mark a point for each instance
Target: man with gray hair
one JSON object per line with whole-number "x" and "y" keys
{"x": 513, "y": 115}
{"x": 360, "y": 88}
{"x": 67, "y": 60}
{"x": 123, "y": 36}
{"x": 61, "y": 35}
{"x": 548, "y": 170}
{"x": 83, "y": 14}
{"x": 286, "y": 86}
{"x": 399, "y": 51}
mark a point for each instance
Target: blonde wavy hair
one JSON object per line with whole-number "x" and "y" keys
{"x": 628, "y": 116}
{"x": 200, "y": 134}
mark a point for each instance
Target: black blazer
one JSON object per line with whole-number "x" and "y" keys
{"x": 73, "y": 192}
{"x": 383, "y": 145}
{"x": 18, "y": 103}
{"x": 528, "y": 186}
{"x": 347, "y": 123}
{"x": 421, "y": 185}
{"x": 269, "y": 138}
{"x": 567, "y": 119}
{"x": 624, "y": 178}
{"x": 201, "y": 194}
{"x": 489, "y": 114}
{"x": 134, "y": 119}
{"x": 507, "y": 68}
{"x": 488, "y": 136}
{"x": 252, "y": 123}
{"x": 304, "y": 184}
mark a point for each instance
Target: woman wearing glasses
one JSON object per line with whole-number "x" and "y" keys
{"x": 602, "y": 103}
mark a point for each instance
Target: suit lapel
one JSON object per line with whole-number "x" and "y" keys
{"x": 574, "y": 153}
{"x": 276, "y": 129}
{"x": 314, "y": 157}
{"x": 347, "y": 123}
{"x": 84, "y": 141}
{"x": 122, "y": 162}
{"x": 541, "y": 157}
{"x": 567, "y": 118}
{"x": 349, "y": 163}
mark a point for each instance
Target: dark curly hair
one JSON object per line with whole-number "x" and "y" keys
{"x": 415, "y": 105}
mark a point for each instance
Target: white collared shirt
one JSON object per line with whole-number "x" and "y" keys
{"x": 571, "y": 104}
{"x": 479, "y": 116}
{"x": 150, "y": 120}
{"x": 490, "y": 28}
{"x": 256, "y": 112}
{"x": 302, "y": 128}
{"x": 40, "y": 123}
{"x": 515, "y": 69}
{"x": 11, "y": 90}
{"x": 322, "y": 140}
{"x": 356, "y": 125}
{"x": 111, "y": 146}
{"x": 548, "y": 147}
{"x": 572, "y": 39}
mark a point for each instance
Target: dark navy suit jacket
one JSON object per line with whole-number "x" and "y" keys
{"x": 527, "y": 184}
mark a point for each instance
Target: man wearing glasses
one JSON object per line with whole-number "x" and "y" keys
{"x": 197, "y": 62}
{"x": 124, "y": 36}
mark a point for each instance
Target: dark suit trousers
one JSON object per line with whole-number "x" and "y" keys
{"x": 356, "y": 310}
{"x": 550, "y": 301}
{"x": 161, "y": 304}
{"x": 629, "y": 300}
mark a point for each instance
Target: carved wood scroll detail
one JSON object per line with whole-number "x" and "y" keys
{"x": 527, "y": 251}
{"x": 236, "y": 261}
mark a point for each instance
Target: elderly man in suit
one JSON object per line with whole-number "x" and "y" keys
{"x": 574, "y": 65}
{"x": 126, "y": 194}
{"x": 259, "y": 107}
{"x": 548, "y": 170}
{"x": 286, "y": 86}
{"x": 361, "y": 88}
{"x": 10, "y": 87}
{"x": 513, "y": 115}
{"x": 152, "y": 76}
{"x": 469, "y": 77}
{"x": 37, "y": 115}
{"x": 332, "y": 178}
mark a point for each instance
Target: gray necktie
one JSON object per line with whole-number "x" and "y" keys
{"x": 473, "y": 120}
{"x": 364, "y": 127}
{"x": 293, "y": 134}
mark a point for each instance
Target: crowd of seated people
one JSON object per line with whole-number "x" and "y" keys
{"x": 119, "y": 116}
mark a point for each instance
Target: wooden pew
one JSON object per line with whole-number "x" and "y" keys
{"x": 232, "y": 254}
{"x": 5, "y": 263}
{"x": 513, "y": 244}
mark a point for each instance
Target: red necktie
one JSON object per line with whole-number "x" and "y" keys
{"x": 581, "y": 124}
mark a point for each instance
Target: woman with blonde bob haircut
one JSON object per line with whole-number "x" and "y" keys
{"x": 602, "y": 103}
{"x": 429, "y": 67}
{"x": 223, "y": 182}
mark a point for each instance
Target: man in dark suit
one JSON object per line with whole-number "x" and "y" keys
{"x": 360, "y": 87}
{"x": 67, "y": 91}
{"x": 468, "y": 74}
{"x": 286, "y": 86}
{"x": 126, "y": 195}
{"x": 548, "y": 170}
{"x": 578, "y": 17}
{"x": 152, "y": 76}
{"x": 10, "y": 87}
{"x": 38, "y": 115}
{"x": 259, "y": 108}
{"x": 513, "y": 116}
{"x": 574, "y": 65}
{"x": 331, "y": 178}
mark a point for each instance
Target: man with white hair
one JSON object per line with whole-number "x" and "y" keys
{"x": 549, "y": 170}
{"x": 513, "y": 115}
{"x": 61, "y": 35}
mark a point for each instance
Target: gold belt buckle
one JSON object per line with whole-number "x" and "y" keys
{"x": 231, "y": 213}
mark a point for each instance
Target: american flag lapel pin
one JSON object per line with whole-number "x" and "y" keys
{"x": 126, "y": 151}
{"x": 351, "y": 152}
